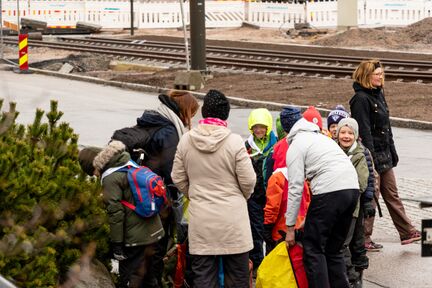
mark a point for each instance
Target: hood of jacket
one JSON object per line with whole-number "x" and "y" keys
{"x": 111, "y": 156}
{"x": 260, "y": 116}
{"x": 208, "y": 138}
{"x": 301, "y": 126}
{"x": 152, "y": 118}
{"x": 358, "y": 88}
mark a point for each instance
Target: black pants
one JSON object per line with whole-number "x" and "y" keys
{"x": 206, "y": 268}
{"x": 137, "y": 271}
{"x": 256, "y": 218}
{"x": 327, "y": 223}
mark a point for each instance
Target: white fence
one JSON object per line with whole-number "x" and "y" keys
{"x": 116, "y": 13}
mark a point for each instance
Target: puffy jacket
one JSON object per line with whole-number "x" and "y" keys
{"x": 320, "y": 160}
{"x": 125, "y": 225}
{"x": 161, "y": 147}
{"x": 370, "y": 189}
{"x": 369, "y": 108}
{"x": 358, "y": 159}
{"x": 277, "y": 192}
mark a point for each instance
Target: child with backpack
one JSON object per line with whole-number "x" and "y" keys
{"x": 259, "y": 145}
{"x": 133, "y": 237}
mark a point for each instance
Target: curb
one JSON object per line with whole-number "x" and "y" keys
{"x": 245, "y": 103}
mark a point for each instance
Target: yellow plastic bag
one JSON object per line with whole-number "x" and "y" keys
{"x": 275, "y": 270}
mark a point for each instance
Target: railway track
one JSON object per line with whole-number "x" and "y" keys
{"x": 241, "y": 59}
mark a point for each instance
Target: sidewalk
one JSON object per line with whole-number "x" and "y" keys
{"x": 396, "y": 265}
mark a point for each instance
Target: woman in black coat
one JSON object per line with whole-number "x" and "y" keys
{"x": 168, "y": 123}
{"x": 369, "y": 108}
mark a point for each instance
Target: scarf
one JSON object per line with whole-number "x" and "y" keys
{"x": 271, "y": 142}
{"x": 170, "y": 115}
{"x": 213, "y": 121}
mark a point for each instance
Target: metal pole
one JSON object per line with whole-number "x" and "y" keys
{"x": 198, "y": 37}
{"x": 1, "y": 31}
{"x": 132, "y": 17}
{"x": 184, "y": 35}
{"x": 18, "y": 17}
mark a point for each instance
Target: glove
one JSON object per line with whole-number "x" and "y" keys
{"x": 395, "y": 157}
{"x": 118, "y": 252}
{"x": 368, "y": 209}
{"x": 268, "y": 230}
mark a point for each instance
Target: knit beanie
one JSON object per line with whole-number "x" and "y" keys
{"x": 336, "y": 115}
{"x": 350, "y": 123}
{"x": 215, "y": 105}
{"x": 312, "y": 115}
{"x": 289, "y": 116}
{"x": 86, "y": 157}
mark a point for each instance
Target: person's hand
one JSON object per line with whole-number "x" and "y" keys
{"x": 290, "y": 237}
{"x": 368, "y": 209}
{"x": 118, "y": 252}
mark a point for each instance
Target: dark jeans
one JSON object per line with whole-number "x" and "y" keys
{"x": 327, "y": 224}
{"x": 206, "y": 268}
{"x": 354, "y": 249}
{"x": 137, "y": 271}
{"x": 256, "y": 218}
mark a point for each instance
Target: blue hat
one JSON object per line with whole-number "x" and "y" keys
{"x": 289, "y": 116}
{"x": 337, "y": 115}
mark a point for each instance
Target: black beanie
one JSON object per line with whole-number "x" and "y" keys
{"x": 86, "y": 157}
{"x": 216, "y": 105}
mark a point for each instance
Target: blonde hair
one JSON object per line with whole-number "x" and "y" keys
{"x": 364, "y": 71}
{"x": 187, "y": 104}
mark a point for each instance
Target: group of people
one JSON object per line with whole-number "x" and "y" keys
{"x": 302, "y": 184}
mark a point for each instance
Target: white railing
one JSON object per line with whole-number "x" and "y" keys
{"x": 116, "y": 13}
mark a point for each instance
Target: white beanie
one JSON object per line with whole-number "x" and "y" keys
{"x": 350, "y": 123}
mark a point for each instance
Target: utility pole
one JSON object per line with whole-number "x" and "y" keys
{"x": 184, "y": 35}
{"x": 132, "y": 17}
{"x": 198, "y": 37}
{"x": 1, "y": 31}
{"x": 18, "y": 18}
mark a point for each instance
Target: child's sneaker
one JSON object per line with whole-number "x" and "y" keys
{"x": 414, "y": 236}
{"x": 373, "y": 247}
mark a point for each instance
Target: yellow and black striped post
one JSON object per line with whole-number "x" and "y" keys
{"x": 23, "y": 52}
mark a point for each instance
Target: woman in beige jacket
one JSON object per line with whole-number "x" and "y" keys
{"x": 213, "y": 170}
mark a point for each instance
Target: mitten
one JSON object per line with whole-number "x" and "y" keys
{"x": 118, "y": 252}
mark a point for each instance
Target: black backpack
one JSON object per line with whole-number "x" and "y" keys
{"x": 135, "y": 139}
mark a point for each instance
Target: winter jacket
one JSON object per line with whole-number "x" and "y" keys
{"x": 277, "y": 191}
{"x": 212, "y": 168}
{"x": 320, "y": 160}
{"x": 162, "y": 145}
{"x": 369, "y": 108}
{"x": 126, "y": 226}
{"x": 370, "y": 189}
{"x": 258, "y": 150}
{"x": 358, "y": 159}
{"x": 276, "y": 204}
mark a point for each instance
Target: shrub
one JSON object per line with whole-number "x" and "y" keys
{"x": 50, "y": 212}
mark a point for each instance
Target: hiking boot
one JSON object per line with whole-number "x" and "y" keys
{"x": 414, "y": 236}
{"x": 373, "y": 247}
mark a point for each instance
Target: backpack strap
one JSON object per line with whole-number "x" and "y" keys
{"x": 127, "y": 204}
{"x": 122, "y": 168}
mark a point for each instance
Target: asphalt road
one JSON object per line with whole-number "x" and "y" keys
{"x": 95, "y": 111}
